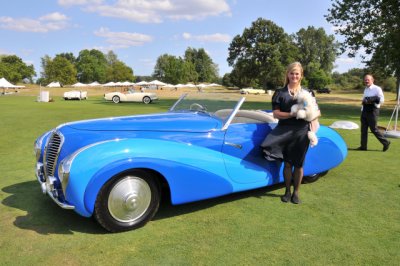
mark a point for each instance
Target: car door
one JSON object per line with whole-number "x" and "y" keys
{"x": 243, "y": 155}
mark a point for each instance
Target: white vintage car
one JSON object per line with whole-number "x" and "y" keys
{"x": 251, "y": 91}
{"x": 75, "y": 95}
{"x": 130, "y": 96}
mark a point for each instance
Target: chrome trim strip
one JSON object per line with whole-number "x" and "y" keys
{"x": 233, "y": 145}
{"x": 232, "y": 115}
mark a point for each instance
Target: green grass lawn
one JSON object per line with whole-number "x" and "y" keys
{"x": 351, "y": 216}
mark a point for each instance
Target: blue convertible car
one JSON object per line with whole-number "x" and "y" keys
{"x": 116, "y": 169}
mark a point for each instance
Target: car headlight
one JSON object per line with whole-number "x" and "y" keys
{"x": 64, "y": 170}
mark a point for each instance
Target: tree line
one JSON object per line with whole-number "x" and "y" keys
{"x": 258, "y": 56}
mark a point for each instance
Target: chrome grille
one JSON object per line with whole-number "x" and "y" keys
{"x": 51, "y": 153}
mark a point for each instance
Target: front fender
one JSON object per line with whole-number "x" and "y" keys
{"x": 192, "y": 172}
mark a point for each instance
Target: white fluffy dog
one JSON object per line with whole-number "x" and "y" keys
{"x": 307, "y": 109}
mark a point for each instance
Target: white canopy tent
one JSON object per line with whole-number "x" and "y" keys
{"x": 94, "y": 83}
{"x": 54, "y": 84}
{"x": 142, "y": 83}
{"x": 109, "y": 84}
{"x": 79, "y": 85}
{"x": 157, "y": 83}
{"x": 6, "y": 84}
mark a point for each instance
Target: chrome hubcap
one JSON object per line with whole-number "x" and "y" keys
{"x": 129, "y": 199}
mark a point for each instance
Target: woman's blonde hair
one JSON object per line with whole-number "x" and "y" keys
{"x": 290, "y": 68}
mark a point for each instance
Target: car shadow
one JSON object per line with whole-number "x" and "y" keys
{"x": 167, "y": 210}
{"x": 44, "y": 217}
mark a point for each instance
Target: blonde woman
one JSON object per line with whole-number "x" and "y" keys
{"x": 288, "y": 141}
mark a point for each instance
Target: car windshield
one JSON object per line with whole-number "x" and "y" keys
{"x": 230, "y": 108}
{"x": 210, "y": 103}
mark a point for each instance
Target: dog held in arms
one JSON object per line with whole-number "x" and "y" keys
{"x": 307, "y": 109}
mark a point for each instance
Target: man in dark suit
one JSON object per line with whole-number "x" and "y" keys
{"x": 371, "y": 102}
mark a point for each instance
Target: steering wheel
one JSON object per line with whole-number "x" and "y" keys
{"x": 197, "y": 107}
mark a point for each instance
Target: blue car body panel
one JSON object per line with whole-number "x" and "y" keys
{"x": 196, "y": 158}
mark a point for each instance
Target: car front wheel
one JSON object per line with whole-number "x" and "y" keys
{"x": 127, "y": 202}
{"x": 116, "y": 99}
{"x": 146, "y": 100}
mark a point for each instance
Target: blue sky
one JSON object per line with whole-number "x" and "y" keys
{"x": 139, "y": 31}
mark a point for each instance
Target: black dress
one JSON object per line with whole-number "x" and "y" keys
{"x": 288, "y": 141}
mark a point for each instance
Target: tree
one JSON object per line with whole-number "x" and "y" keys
{"x": 204, "y": 69}
{"x": 261, "y": 53}
{"x": 318, "y": 79}
{"x": 92, "y": 66}
{"x": 373, "y": 25}
{"x": 317, "y": 50}
{"x": 117, "y": 70}
{"x": 172, "y": 69}
{"x": 59, "y": 69}
{"x": 14, "y": 69}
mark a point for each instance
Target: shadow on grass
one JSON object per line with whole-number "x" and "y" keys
{"x": 44, "y": 217}
{"x": 167, "y": 210}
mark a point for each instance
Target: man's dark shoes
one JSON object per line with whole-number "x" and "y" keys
{"x": 286, "y": 197}
{"x": 295, "y": 199}
{"x": 361, "y": 149}
{"x": 386, "y": 146}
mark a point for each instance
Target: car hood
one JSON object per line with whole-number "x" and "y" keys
{"x": 189, "y": 122}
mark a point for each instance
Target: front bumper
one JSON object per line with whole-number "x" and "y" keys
{"x": 48, "y": 186}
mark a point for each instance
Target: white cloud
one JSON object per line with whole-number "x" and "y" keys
{"x": 154, "y": 11}
{"x": 53, "y": 17}
{"x": 78, "y": 2}
{"x": 216, "y": 37}
{"x": 50, "y": 22}
{"x": 123, "y": 39}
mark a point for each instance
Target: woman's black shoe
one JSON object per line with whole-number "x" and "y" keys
{"x": 286, "y": 197}
{"x": 295, "y": 199}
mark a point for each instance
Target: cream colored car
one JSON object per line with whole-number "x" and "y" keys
{"x": 251, "y": 91}
{"x": 131, "y": 96}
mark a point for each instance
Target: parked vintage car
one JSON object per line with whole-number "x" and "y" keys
{"x": 252, "y": 91}
{"x": 130, "y": 96}
{"x": 324, "y": 90}
{"x": 117, "y": 169}
{"x": 75, "y": 95}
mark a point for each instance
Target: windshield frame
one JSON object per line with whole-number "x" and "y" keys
{"x": 225, "y": 121}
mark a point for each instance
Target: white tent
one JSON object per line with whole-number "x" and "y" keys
{"x": 127, "y": 83}
{"x": 141, "y": 83}
{"x": 54, "y": 84}
{"x": 157, "y": 83}
{"x": 5, "y": 84}
{"x": 79, "y": 85}
{"x": 94, "y": 83}
{"x": 109, "y": 84}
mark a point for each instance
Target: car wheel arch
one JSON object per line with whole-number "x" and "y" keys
{"x": 114, "y": 171}
{"x": 139, "y": 189}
